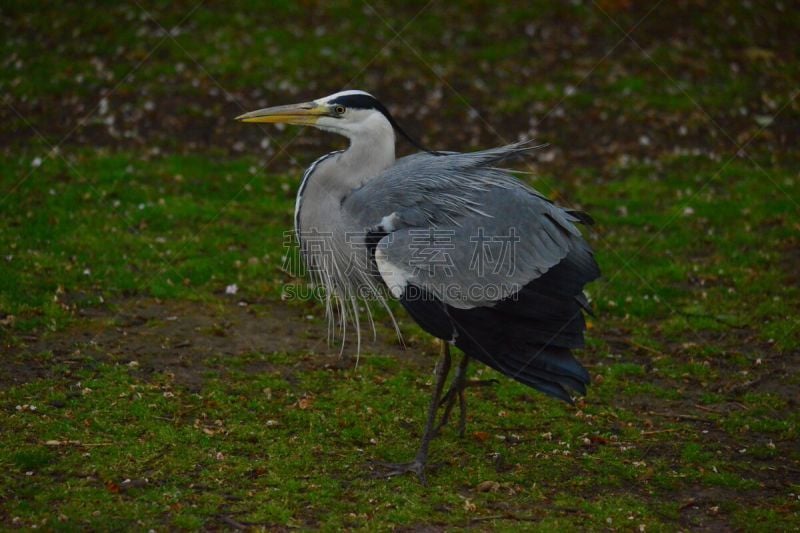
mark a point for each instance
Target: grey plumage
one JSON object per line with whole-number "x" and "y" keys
{"x": 455, "y": 194}
{"x": 478, "y": 258}
{"x": 462, "y": 196}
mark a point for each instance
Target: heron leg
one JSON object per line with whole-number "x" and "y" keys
{"x": 457, "y": 390}
{"x": 442, "y": 370}
{"x": 462, "y": 412}
{"x": 417, "y": 466}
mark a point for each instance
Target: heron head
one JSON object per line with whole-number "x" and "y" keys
{"x": 354, "y": 114}
{"x": 349, "y": 113}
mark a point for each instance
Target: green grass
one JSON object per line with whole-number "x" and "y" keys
{"x": 111, "y": 226}
{"x": 136, "y": 394}
{"x": 233, "y": 449}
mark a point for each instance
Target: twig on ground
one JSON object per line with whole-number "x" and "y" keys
{"x": 747, "y": 384}
{"x": 227, "y": 520}
{"x": 715, "y": 318}
{"x": 679, "y": 415}
{"x": 76, "y": 443}
{"x": 657, "y": 431}
{"x": 507, "y": 516}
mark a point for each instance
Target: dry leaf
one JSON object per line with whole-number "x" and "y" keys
{"x": 480, "y": 436}
{"x": 488, "y": 486}
{"x": 305, "y": 402}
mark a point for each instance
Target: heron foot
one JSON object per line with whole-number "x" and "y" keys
{"x": 389, "y": 470}
{"x": 418, "y": 465}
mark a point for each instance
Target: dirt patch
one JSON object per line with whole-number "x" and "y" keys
{"x": 790, "y": 261}
{"x": 187, "y": 339}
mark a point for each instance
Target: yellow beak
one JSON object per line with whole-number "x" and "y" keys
{"x": 305, "y": 114}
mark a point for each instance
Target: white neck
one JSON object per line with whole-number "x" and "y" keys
{"x": 371, "y": 149}
{"x": 370, "y": 154}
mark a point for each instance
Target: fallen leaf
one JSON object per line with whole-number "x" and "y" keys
{"x": 480, "y": 436}
{"x": 305, "y": 402}
{"x": 488, "y": 486}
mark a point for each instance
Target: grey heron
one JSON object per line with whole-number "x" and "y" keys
{"x": 477, "y": 258}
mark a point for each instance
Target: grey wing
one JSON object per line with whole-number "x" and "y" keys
{"x": 523, "y": 314}
{"x": 481, "y": 260}
{"x": 463, "y": 229}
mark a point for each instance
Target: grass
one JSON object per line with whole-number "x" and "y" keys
{"x": 62, "y": 230}
{"x": 138, "y": 392}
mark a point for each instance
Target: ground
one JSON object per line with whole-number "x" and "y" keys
{"x": 159, "y": 371}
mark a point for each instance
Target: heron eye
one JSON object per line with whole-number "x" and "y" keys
{"x": 339, "y": 109}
